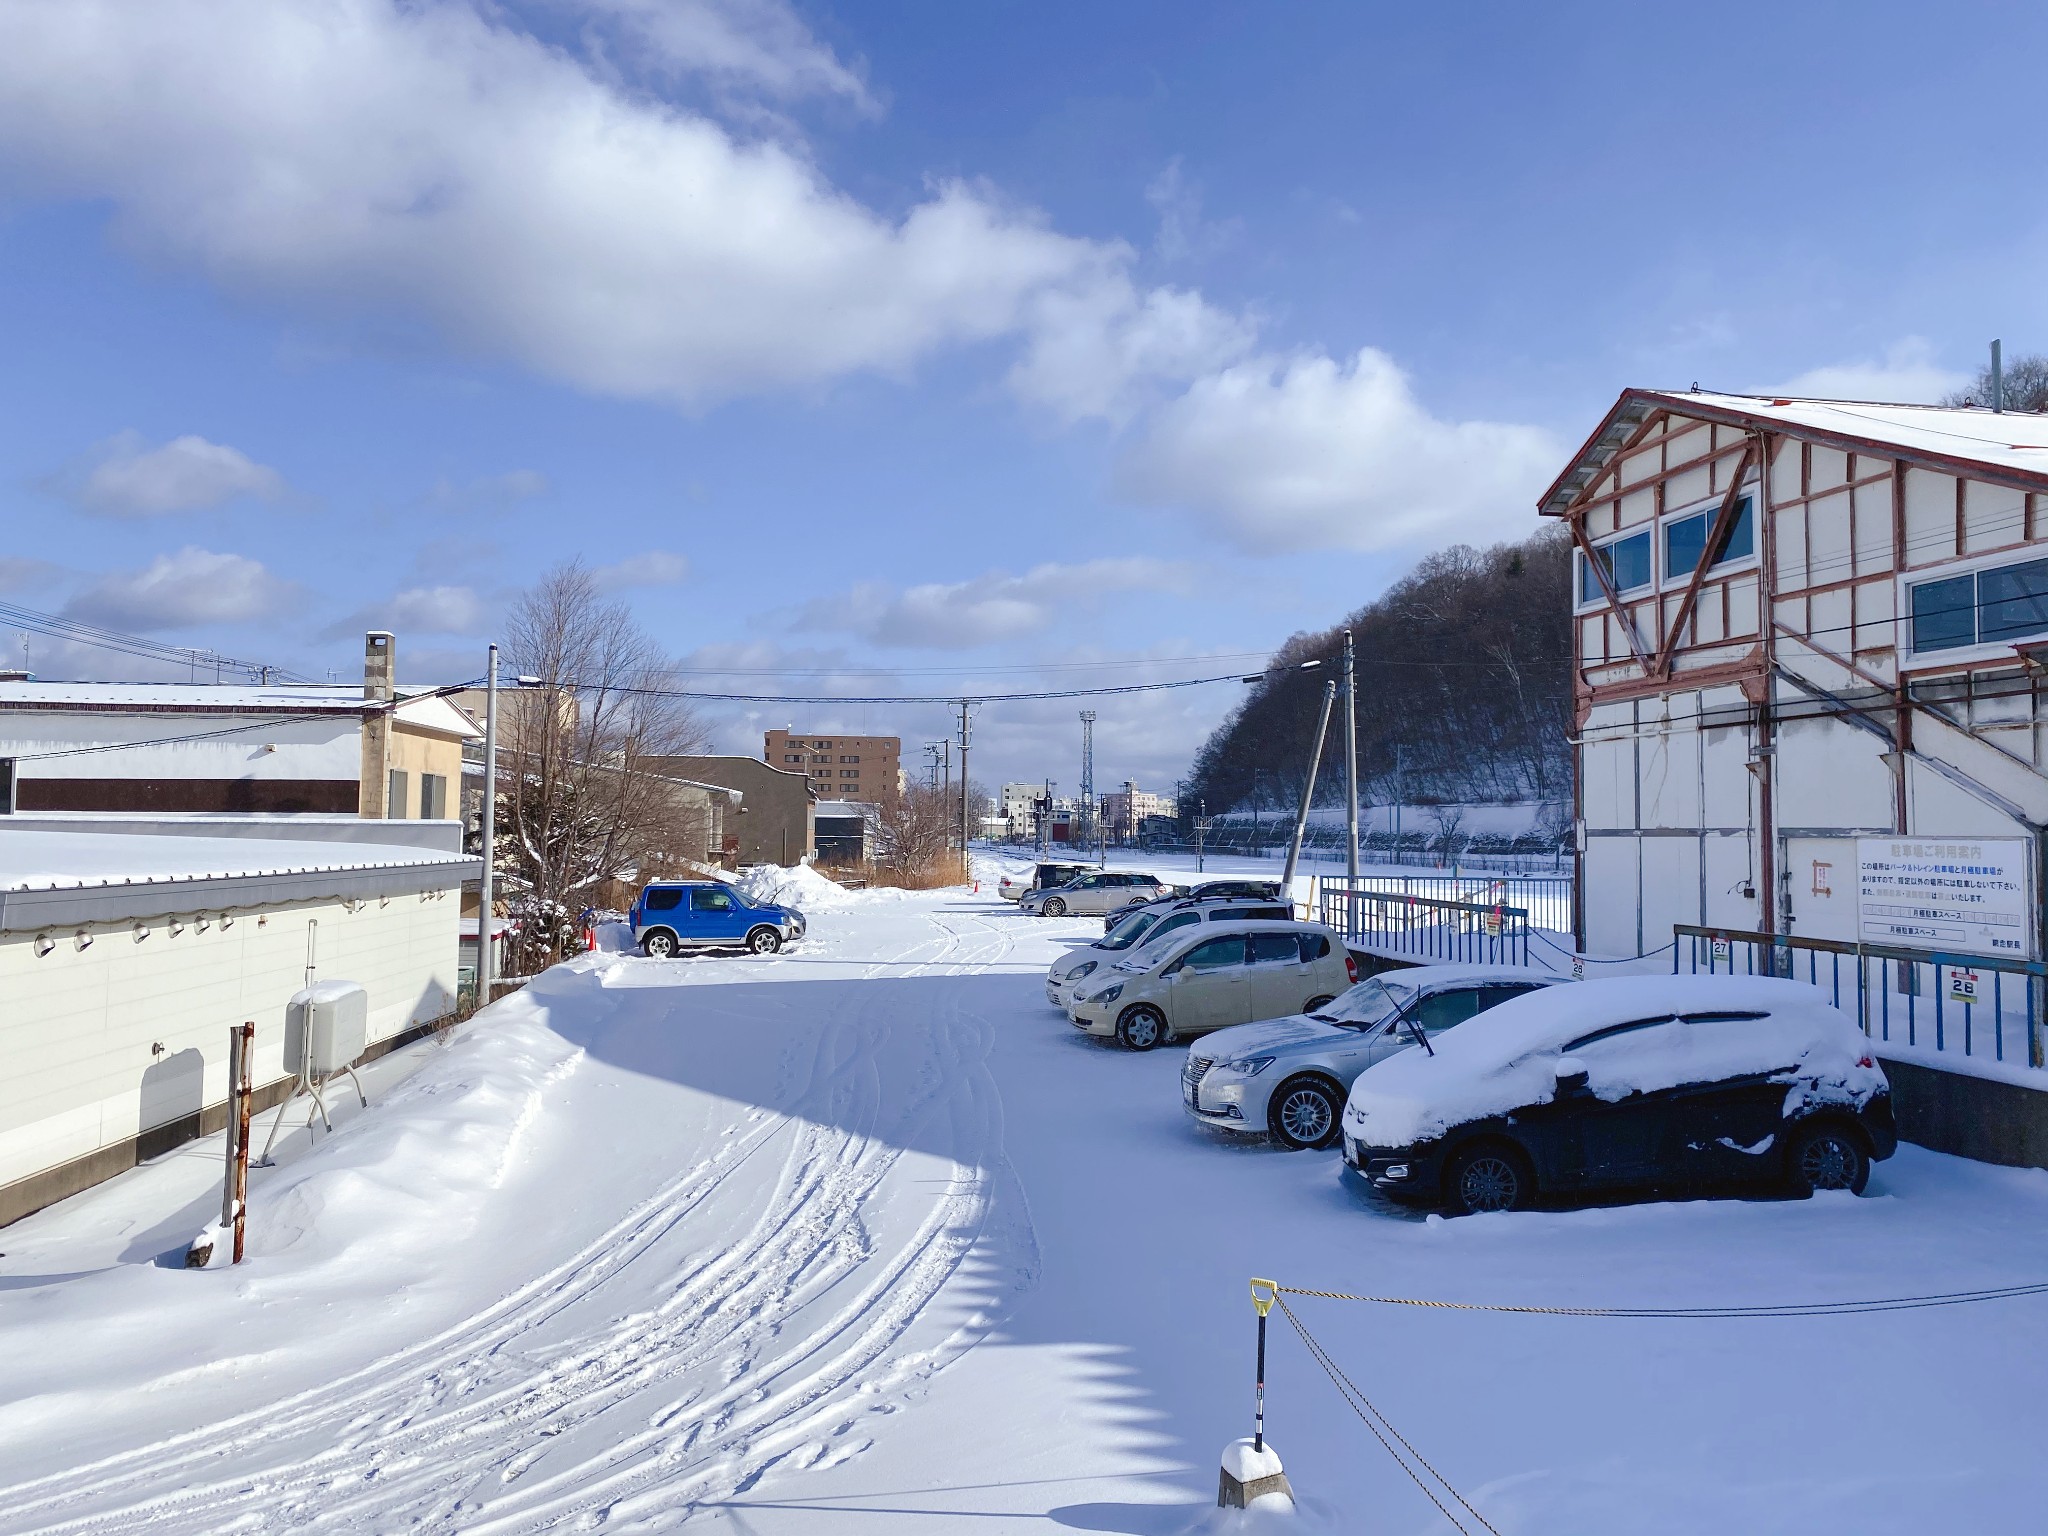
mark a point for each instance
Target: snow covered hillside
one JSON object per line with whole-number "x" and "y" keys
{"x": 865, "y": 1237}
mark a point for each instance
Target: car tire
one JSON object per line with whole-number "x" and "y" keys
{"x": 764, "y": 941}
{"x": 1141, "y": 1028}
{"x": 659, "y": 944}
{"x": 1826, "y": 1156}
{"x": 1314, "y": 1003}
{"x": 1488, "y": 1177}
{"x": 1054, "y": 908}
{"x": 1303, "y": 1114}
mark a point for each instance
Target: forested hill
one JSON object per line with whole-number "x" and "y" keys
{"x": 1464, "y": 665}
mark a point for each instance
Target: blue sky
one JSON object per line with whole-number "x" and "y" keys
{"x": 927, "y": 347}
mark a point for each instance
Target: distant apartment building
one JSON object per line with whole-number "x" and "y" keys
{"x": 1018, "y": 805}
{"x": 1124, "y": 811}
{"x": 868, "y": 768}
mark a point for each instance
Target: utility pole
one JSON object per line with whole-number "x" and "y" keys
{"x": 486, "y": 950}
{"x": 1202, "y": 825}
{"x": 1350, "y": 762}
{"x": 1997, "y": 377}
{"x": 1308, "y": 791}
{"x": 1400, "y": 793}
{"x": 964, "y": 729}
{"x": 1088, "y": 807}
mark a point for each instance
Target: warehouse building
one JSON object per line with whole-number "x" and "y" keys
{"x": 126, "y": 956}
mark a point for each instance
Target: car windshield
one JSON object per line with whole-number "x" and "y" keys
{"x": 1370, "y": 1003}
{"x": 1128, "y": 932}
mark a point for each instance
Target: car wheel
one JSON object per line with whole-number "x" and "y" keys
{"x": 1827, "y": 1157}
{"x": 1055, "y": 908}
{"x": 658, "y": 945}
{"x": 1318, "y": 1002}
{"x": 1302, "y": 1114}
{"x": 1489, "y": 1177}
{"x": 1141, "y": 1028}
{"x": 764, "y": 941}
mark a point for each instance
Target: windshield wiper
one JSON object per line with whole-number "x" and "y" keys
{"x": 1415, "y": 1029}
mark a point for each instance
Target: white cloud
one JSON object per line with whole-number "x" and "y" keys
{"x": 1907, "y": 374}
{"x": 429, "y": 611}
{"x": 18, "y": 573}
{"x": 124, "y": 477}
{"x": 1308, "y": 453}
{"x": 985, "y": 610}
{"x": 428, "y": 160}
{"x": 760, "y": 45}
{"x": 651, "y": 568}
{"x": 176, "y": 591}
{"x": 1104, "y": 348}
{"x": 490, "y": 490}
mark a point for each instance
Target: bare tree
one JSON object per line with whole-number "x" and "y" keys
{"x": 919, "y": 827}
{"x": 1451, "y": 837}
{"x": 581, "y": 803}
{"x": 2025, "y": 381}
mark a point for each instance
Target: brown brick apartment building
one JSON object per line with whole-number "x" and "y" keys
{"x": 866, "y": 768}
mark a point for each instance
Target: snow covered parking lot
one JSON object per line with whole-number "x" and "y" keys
{"x": 868, "y": 1237}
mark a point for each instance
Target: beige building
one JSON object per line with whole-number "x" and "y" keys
{"x": 868, "y": 768}
{"x": 1124, "y": 812}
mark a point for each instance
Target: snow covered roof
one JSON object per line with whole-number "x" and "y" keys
{"x": 50, "y": 877}
{"x": 2009, "y": 446}
{"x": 223, "y": 698}
{"x": 40, "y": 860}
{"x": 430, "y": 712}
{"x": 1420, "y": 977}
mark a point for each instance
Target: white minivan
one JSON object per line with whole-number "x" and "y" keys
{"x": 1203, "y": 979}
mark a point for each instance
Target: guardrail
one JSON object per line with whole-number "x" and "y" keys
{"x": 1546, "y": 898}
{"x": 1982, "y": 1006}
{"x": 1425, "y": 927}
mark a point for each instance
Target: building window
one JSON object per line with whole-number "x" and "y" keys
{"x": 1626, "y": 561}
{"x": 849, "y": 759}
{"x": 2007, "y": 602}
{"x": 394, "y": 795}
{"x": 849, "y": 773}
{"x": 433, "y": 796}
{"x": 792, "y": 757}
{"x": 1686, "y": 537}
{"x": 6, "y": 786}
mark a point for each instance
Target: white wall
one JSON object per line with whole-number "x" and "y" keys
{"x": 78, "y": 1025}
{"x": 327, "y": 748}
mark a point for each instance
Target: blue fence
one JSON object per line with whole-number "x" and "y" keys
{"x": 1981, "y": 1006}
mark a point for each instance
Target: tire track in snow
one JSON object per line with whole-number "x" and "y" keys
{"x": 488, "y": 1411}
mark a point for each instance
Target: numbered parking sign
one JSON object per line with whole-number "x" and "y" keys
{"x": 1962, "y": 986}
{"x": 1720, "y": 949}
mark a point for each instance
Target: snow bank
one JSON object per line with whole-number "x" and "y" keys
{"x": 1509, "y": 1057}
{"x": 801, "y": 887}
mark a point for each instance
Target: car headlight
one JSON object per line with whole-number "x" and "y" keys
{"x": 1250, "y": 1066}
{"x": 1110, "y": 995}
{"x": 1079, "y": 971}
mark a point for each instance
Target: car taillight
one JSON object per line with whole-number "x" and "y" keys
{"x": 1867, "y": 1061}
{"x": 1351, "y": 969}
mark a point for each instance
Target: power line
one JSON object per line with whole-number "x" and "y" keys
{"x": 77, "y": 632}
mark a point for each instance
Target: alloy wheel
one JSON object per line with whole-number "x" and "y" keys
{"x": 1490, "y": 1183}
{"x": 1305, "y": 1114}
{"x": 1828, "y": 1162}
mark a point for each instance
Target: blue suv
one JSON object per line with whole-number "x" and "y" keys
{"x": 674, "y": 915}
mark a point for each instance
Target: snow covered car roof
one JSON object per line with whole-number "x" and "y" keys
{"x": 1746, "y": 1024}
{"x": 1146, "y": 956}
{"x": 1422, "y": 978}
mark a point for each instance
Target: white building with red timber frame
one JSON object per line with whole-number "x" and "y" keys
{"x": 1803, "y": 626}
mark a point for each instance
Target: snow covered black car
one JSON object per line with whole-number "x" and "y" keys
{"x": 1287, "y": 1078}
{"x": 1639, "y": 1082}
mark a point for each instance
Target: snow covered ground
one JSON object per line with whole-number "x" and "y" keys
{"x": 864, "y": 1237}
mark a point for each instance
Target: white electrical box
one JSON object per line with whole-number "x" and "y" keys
{"x": 326, "y": 1027}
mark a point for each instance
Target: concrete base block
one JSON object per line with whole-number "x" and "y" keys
{"x": 1248, "y": 1474}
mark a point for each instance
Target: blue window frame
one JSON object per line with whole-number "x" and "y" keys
{"x": 2007, "y": 602}
{"x": 1686, "y": 537}
{"x": 1626, "y": 561}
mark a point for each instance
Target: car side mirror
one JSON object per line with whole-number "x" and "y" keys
{"x": 1571, "y": 1078}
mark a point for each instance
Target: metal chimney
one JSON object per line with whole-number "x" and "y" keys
{"x": 1997, "y": 378}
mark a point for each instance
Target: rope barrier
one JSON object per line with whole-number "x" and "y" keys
{"x": 1375, "y": 1421}
{"x": 1760, "y": 1309}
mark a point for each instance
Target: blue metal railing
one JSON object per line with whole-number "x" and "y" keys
{"x": 1983, "y": 1006}
{"x": 1425, "y": 927}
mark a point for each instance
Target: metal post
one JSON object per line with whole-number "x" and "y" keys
{"x": 243, "y": 1069}
{"x": 1201, "y": 828}
{"x": 486, "y": 948}
{"x": 1997, "y": 377}
{"x": 965, "y": 728}
{"x": 1308, "y": 791}
{"x": 1350, "y": 760}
